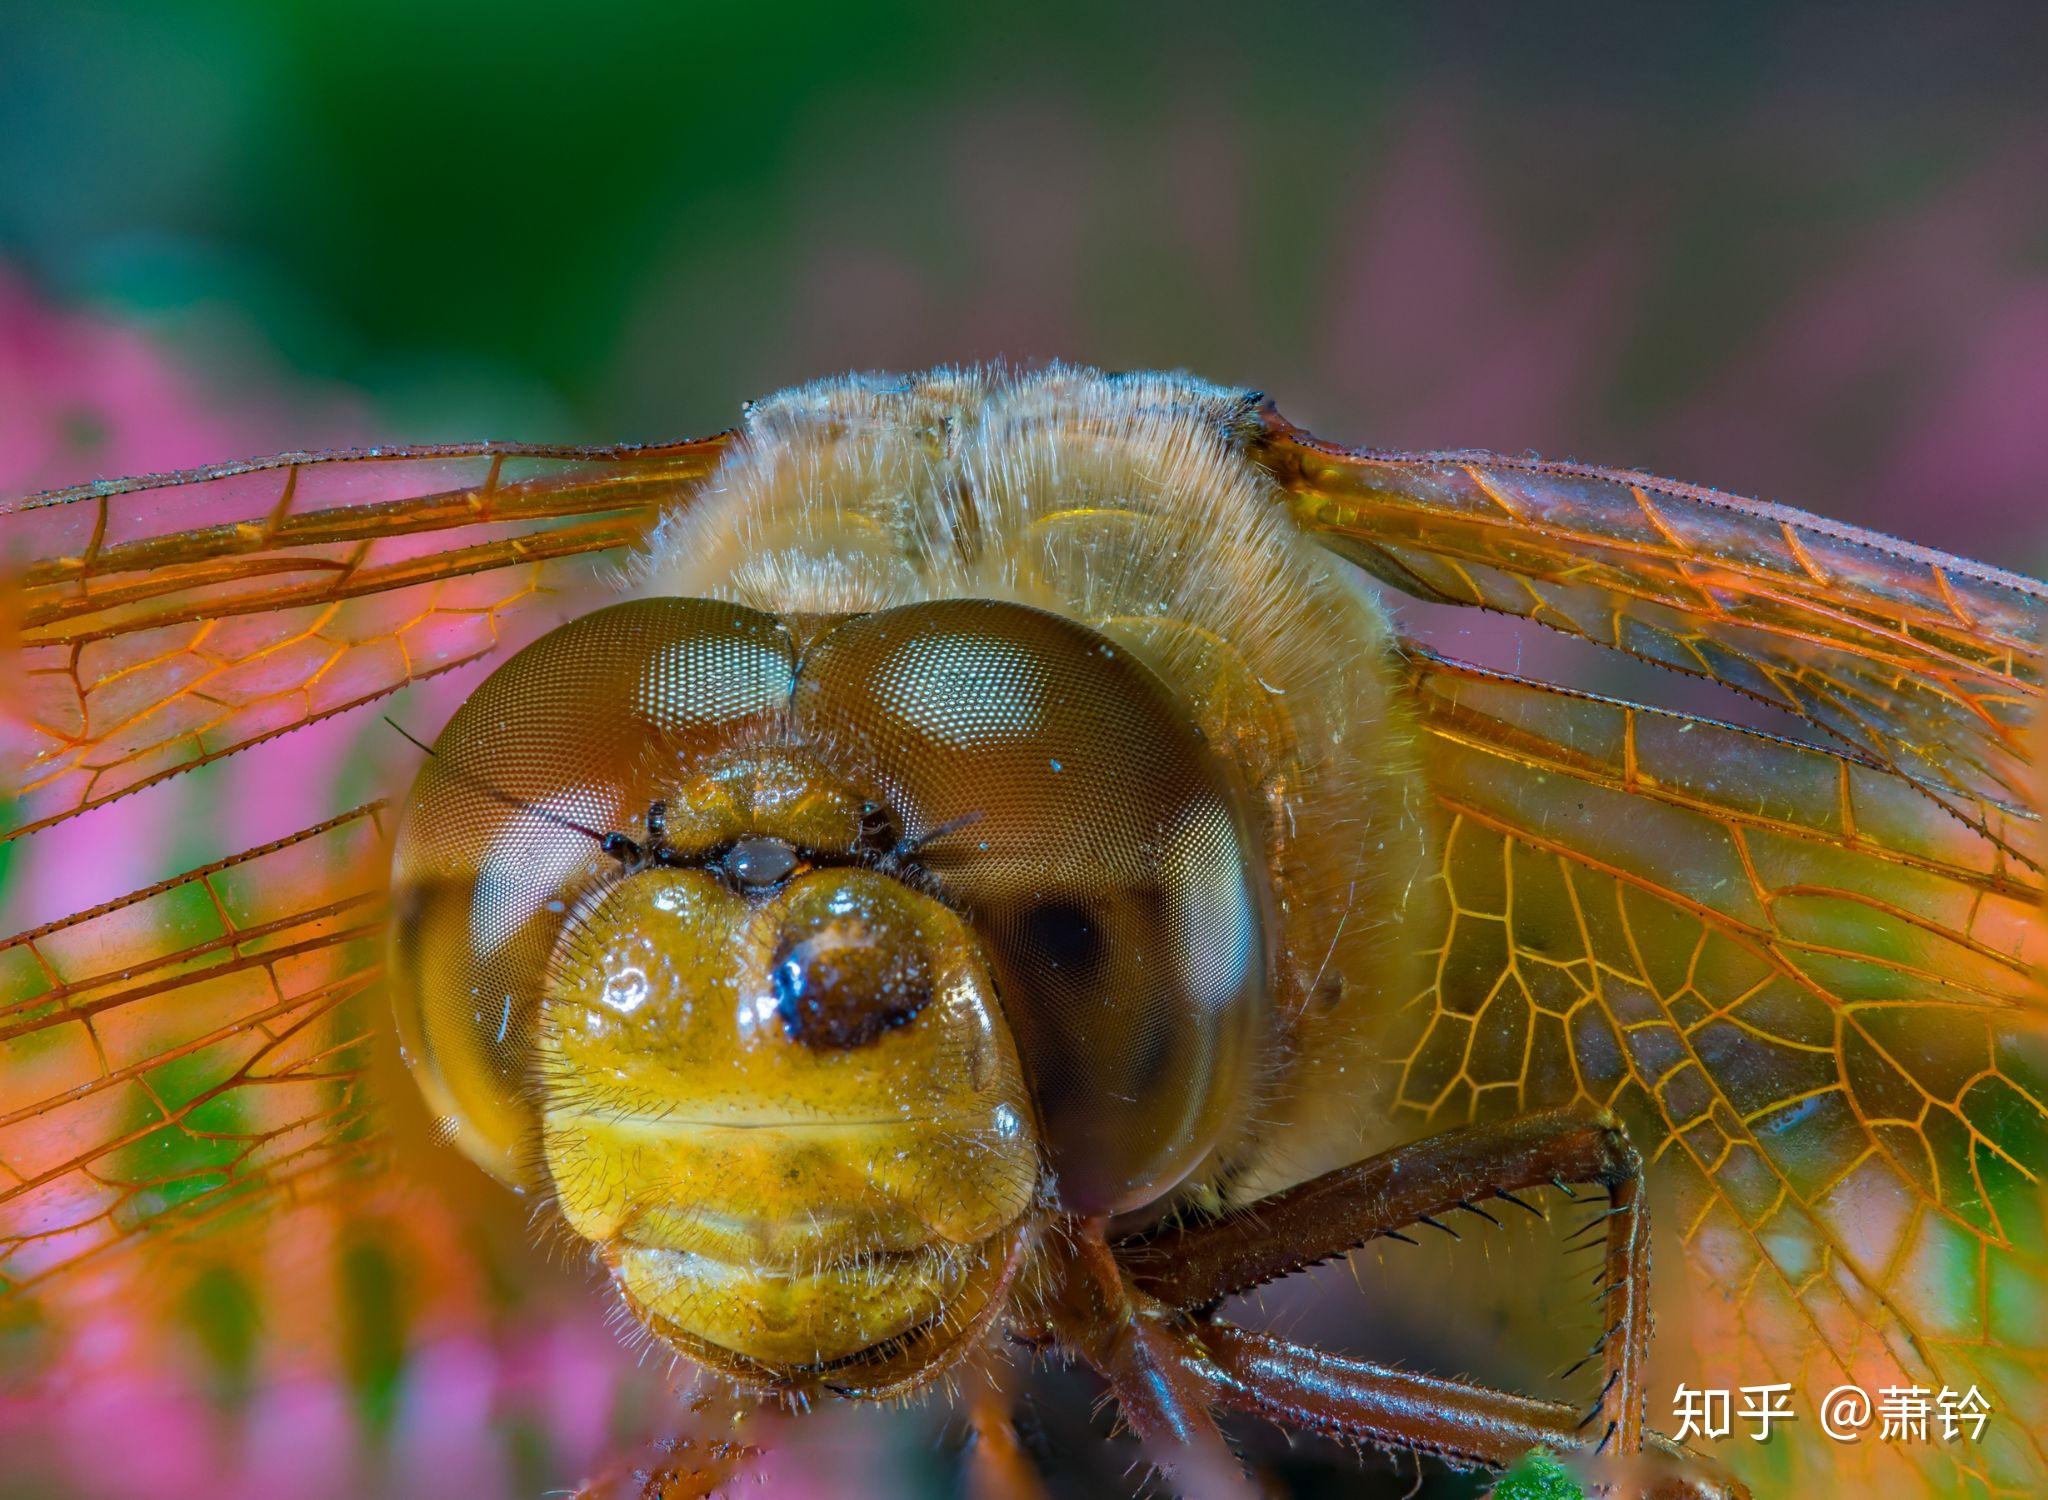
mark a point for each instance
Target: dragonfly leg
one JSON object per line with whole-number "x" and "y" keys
{"x": 698, "y": 1463}
{"x": 1193, "y": 1265}
{"x": 998, "y": 1468}
{"x": 1357, "y": 1401}
{"x": 1144, "y": 1350}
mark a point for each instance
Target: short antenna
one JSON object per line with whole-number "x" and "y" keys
{"x": 618, "y": 845}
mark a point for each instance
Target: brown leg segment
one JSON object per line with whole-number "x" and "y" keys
{"x": 695, "y": 1465}
{"x": 998, "y": 1468}
{"x": 1357, "y": 1401}
{"x": 1145, "y": 1353}
{"x": 1193, "y": 1265}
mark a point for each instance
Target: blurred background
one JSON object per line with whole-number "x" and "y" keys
{"x": 1797, "y": 251}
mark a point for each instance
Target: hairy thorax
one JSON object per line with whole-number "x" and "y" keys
{"x": 1127, "y": 504}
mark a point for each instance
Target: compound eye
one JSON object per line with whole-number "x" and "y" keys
{"x": 582, "y": 733}
{"x": 1056, "y": 788}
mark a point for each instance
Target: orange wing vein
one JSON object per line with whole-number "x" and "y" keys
{"x": 195, "y": 1053}
{"x": 191, "y": 1052}
{"x": 1813, "y": 996}
{"x": 1924, "y": 663}
{"x": 1809, "y": 977}
{"x": 162, "y": 623}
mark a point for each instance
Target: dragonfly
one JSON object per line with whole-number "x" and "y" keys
{"x": 971, "y": 862}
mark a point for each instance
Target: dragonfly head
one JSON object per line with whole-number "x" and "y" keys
{"x": 807, "y": 963}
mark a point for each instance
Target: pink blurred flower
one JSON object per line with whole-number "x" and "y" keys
{"x": 84, "y": 395}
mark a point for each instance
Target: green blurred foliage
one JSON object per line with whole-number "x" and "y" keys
{"x": 1539, "y": 1476}
{"x": 619, "y": 219}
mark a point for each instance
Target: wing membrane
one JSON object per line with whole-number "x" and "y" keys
{"x": 191, "y": 1052}
{"x": 194, "y": 1054}
{"x": 1815, "y": 999}
{"x": 1923, "y": 663}
{"x": 163, "y": 623}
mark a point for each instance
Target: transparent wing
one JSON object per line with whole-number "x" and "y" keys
{"x": 1924, "y": 663}
{"x": 1815, "y": 998}
{"x": 199, "y": 1055}
{"x": 161, "y": 623}
{"x": 191, "y": 1054}
{"x": 1808, "y": 977}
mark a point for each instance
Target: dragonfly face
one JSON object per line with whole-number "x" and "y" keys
{"x": 757, "y": 1051}
{"x": 992, "y": 835}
